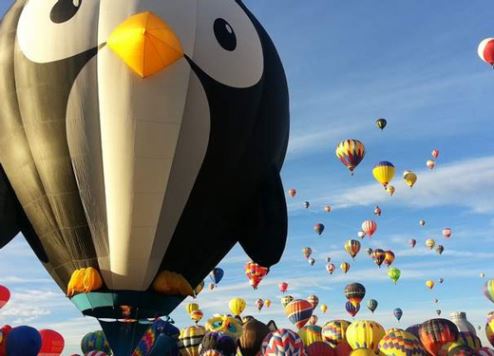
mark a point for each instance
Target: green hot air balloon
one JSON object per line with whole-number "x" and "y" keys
{"x": 394, "y": 273}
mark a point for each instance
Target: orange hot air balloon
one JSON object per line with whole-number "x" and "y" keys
{"x": 389, "y": 258}
{"x": 378, "y": 255}
{"x": 435, "y": 333}
{"x": 352, "y": 247}
{"x": 255, "y": 273}
{"x": 345, "y": 267}
{"x": 307, "y": 251}
{"x": 369, "y": 227}
{"x": 292, "y": 192}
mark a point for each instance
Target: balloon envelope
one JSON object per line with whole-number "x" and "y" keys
{"x": 52, "y": 343}
{"x": 350, "y": 153}
{"x": 23, "y": 340}
{"x": 435, "y": 333}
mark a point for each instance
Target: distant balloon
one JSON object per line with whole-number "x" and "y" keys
{"x": 390, "y": 190}
{"x": 438, "y": 312}
{"x": 410, "y": 178}
{"x": 330, "y": 268}
{"x": 436, "y": 300}
{"x": 255, "y": 273}
{"x": 439, "y": 249}
{"x": 383, "y": 172}
{"x": 323, "y": 308}
{"x": 311, "y": 261}
{"x": 370, "y": 251}
{"x": 482, "y": 274}
{"x": 292, "y": 192}
{"x": 345, "y": 267}
{"x": 377, "y": 211}
{"x": 394, "y": 274}
{"x": 381, "y": 123}
{"x": 319, "y": 228}
{"x": 267, "y": 303}
{"x": 354, "y": 293}
{"x": 389, "y": 257}
{"x": 196, "y": 315}
{"x": 328, "y": 259}
{"x": 216, "y": 275}
{"x": 398, "y": 313}
{"x": 372, "y": 305}
{"x": 283, "y": 286}
{"x": 361, "y": 234}
{"x": 369, "y": 227}
{"x": 327, "y": 208}
{"x": 430, "y": 164}
{"x": 306, "y": 204}
{"x": 486, "y": 50}
{"x": 307, "y": 251}
{"x": 259, "y": 304}
{"x": 313, "y": 321}
{"x": 489, "y": 290}
{"x": 352, "y": 247}
{"x": 422, "y": 222}
{"x": 211, "y": 286}
{"x": 441, "y": 280}
{"x": 350, "y": 153}
{"x": 429, "y": 284}
{"x": 378, "y": 255}
{"x": 412, "y": 243}
{"x": 447, "y": 232}
{"x": 313, "y": 300}
{"x": 352, "y": 309}
{"x": 435, "y": 153}
{"x": 287, "y": 299}
{"x": 430, "y": 243}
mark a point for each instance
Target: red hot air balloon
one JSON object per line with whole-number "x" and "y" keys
{"x": 255, "y": 273}
{"x": 369, "y": 227}
{"x": 4, "y": 296}
{"x": 283, "y": 286}
{"x": 447, "y": 232}
{"x": 435, "y": 153}
{"x": 292, "y": 192}
{"x": 52, "y": 343}
{"x": 486, "y": 51}
{"x": 435, "y": 333}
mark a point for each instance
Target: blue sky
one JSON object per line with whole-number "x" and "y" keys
{"x": 414, "y": 63}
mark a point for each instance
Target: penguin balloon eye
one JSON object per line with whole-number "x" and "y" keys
{"x": 64, "y": 10}
{"x": 225, "y": 35}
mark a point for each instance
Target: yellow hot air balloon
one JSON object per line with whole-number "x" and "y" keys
{"x": 324, "y": 308}
{"x": 237, "y": 306}
{"x": 364, "y": 334}
{"x": 350, "y": 153}
{"x": 189, "y": 340}
{"x": 191, "y": 307}
{"x": 430, "y": 243}
{"x": 345, "y": 267}
{"x": 363, "y": 352}
{"x": 310, "y": 334}
{"x": 267, "y": 303}
{"x": 384, "y": 172}
{"x": 390, "y": 190}
{"x": 429, "y": 284}
{"x": 410, "y": 178}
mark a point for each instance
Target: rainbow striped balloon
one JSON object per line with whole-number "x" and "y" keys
{"x": 333, "y": 332}
{"x": 298, "y": 312}
{"x": 282, "y": 342}
{"x": 489, "y": 290}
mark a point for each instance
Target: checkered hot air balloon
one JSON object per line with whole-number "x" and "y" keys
{"x": 189, "y": 340}
{"x": 298, "y": 312}
{"x": 283, "y": 342}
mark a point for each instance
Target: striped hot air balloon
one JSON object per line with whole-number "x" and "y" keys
{"x": 283, "y": 342}
{"x": 486, "y": 50}
{"x": 189, "y": 340}
{"x": 345, "y": 266}
{"x": 364, "y": 334}
{"x": 352, "y": 309}
{"x": 355, "y": 292}
{"x": 389, "y": 257}
{"x": 350, "y": 152}
{"x": 352, "y": 247}
{"x": 310, "y": 334}
{"x": 469, "y": 339}
{"x": 398, "y": 342}
{"x": 334, "y": 332}
{"x": 435, "y": 333}
{"x": 298, "y": 312}
{"x": 384, "y": 172}
{"x": 489, "y": 290}
{"x": 369, "y": 227}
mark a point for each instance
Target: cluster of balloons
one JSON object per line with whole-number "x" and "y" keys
{"x": 26, "y": 340}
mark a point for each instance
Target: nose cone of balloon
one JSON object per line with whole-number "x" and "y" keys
{"x": 146, "y": 44}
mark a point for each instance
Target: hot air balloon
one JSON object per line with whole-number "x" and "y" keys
{"x": 400, "y": 343}
{"x": 216, "y": 275}
{"x": 394, "y": 274}
{"x": 436, "y": 300}
{"x": 447, "y": 232}
{"x": 259, "y": 304}
{"x": 430, "y": 164}
{"x": 95, "y": 341}
{"x": 441, "y": 280}
{"x": 422, "y": 222}
{"x": 362, "y": 352}
{"x": 389, "y": 257}
{"x": 438, "y": 312}
{"x": 319, "y": 348}
{"x": 489, "y": 290}
{"x": 398, "y": 313}
{"x": 430, "y": 243}
{"x": 313, "y": 300}
{"x": 435, "y": 333}
{"x": 330, "y": 268}
{"x": 412, "y": 243}
{"x": 333, "y": 332}
{"x": 307, "y": 251}
{"x": 285, "y": 300}
{"x": 292, "y": 192}
{"x": 372, "y": 305}
{"x": 237, "y": 306}
{"x": 189, "y": 340}
{"x": 255, "y": 273}
{"x": 345, "y": 267}
{"x": 328, "y": 259}
{"x": 267, "y": 303}
{"x": 23, "y": 340}
{"x": 429, "y": 284}
{"x": 355, "y": 292}
{"x": 327, "y": 208}
{"x": 196, "y": 315}
{"x": 306, "y": 204}
{"x": 253, "y": 333}
{"x": 486, "y": 50}
{"x": 310, "y": 333}
{"x": 489, "y": 328}
{"x": 352, "y": 309}
{"x": 370, "y": 251}
{"x": 225, "y": 324}
{"x": 283, "y": 342}
{"x": 361, "y": 234}
{"x": 52, "y": 343}
{"x": 311, "y": 261}
{"x": 123, "y": 167}
{"x": 439, "y": 249}
{"x": 469, "y": 339}
{"x": 485, "y": 351}
{"x": 211, "y": 286}
{"x": 482, "y": 274}
{"x": 435, "y": 153}
{"x": 383, "y": 172}
{"x": 313, "y": 320}
{"x": 377, "y": 211}
{"x": 319, "y": 228}
{"x": 323, "y": 308}
{"x": 378, "y": 255}
{"x": 365, "y": 334}
{"x": 369, "y": 227}
{"x": 352, "y": 247}
{"x": 350, "y": 153}
{"x": 410, "y": 178}
{"x": 381, "y": 123}
{"x": 4, "y": 296}
{"x": 298, "y": 312}
{"x": 390, "y": 189}
{"x": 283, "y": 287}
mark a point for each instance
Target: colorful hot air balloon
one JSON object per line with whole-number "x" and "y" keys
{"x": 330, "y": 268}
{"x": 95, "y": 341}
{"x": 384, "y": 172}
{"x": 312, "y": 321}
{"x": 372, "y": 305}
{"x": 323, "y": 308}
{"x": 489, "y": 290}
{"x": 365, "y": 334}
{"x": 259, "y": 304}
{"x": 447, "y": 232}
{"x": 390, "y": 189}
{"x": 292, "y": 192}
{"x": 52, "y": 343}
{"x": 422, "y": 222}
{"x": 189, "y": 340}
{"x": 4, "y": 296}
{"x": 345, "y": 267}
{"x": 352, "y": 309}
{"x": 430, "y": 243}
{"x": 327, "y": 208}
{"x": 307, "y": 251}
{"x": 216, "y": 275}
{"x": 267, "y": 303}
{"x": 334, "y": 332}
{"x": 469, "y": 339}
{"x": 298, "y": 312}
{"x": 310, "y": 333}
{"x": 435, "y": 333}
{"x": 429, "y": 284}
{"x": 319, "y": 228}
{"x": 398, "y": 342}
{"x": 439, "y": 249}
{"x": 313, "y": 300}
{"x": 255, "y": 273}
{"x": 283, "y": 342}
{"x": 394, "y": 274}
{"x": 485, "y": 351}
{"x": 311, "y": 261}
{"x": 412, "y": 243}
{"x": 489, "y": 328}
{"x": 237, "y": 306}
{"x": 410, "y": 178}
{"x": 354, "y": 292}
{"x": 253, "y": 333}
{"x": 381, "y": 123}
{"x": 369, "y": 227}
{"x": 378, "y": 255}
{"x": 196, "y": 315}
{"x": 435, "y": 153}
{"x": 430, "y": 164}
{"x": 352, "y": 247}
{"x": 377, "y": 211}
{"x": 285, "y": 300}
{"x": 283, "y": 287}
{"x": 389, "y": 257}
{"x": 361, "y": 234}
{"x": 320, "y": 348}
{"x": 398, "y": 313}
{"x": 486, "y": 50}
{"x": 350, "y": 153}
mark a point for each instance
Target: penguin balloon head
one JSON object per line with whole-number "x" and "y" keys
{"x": 141, "y": 139}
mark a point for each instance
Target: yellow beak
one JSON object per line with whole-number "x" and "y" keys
{"x": 146, "y": 44}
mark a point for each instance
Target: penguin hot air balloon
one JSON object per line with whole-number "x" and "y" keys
{"x": 135, "y": 136}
